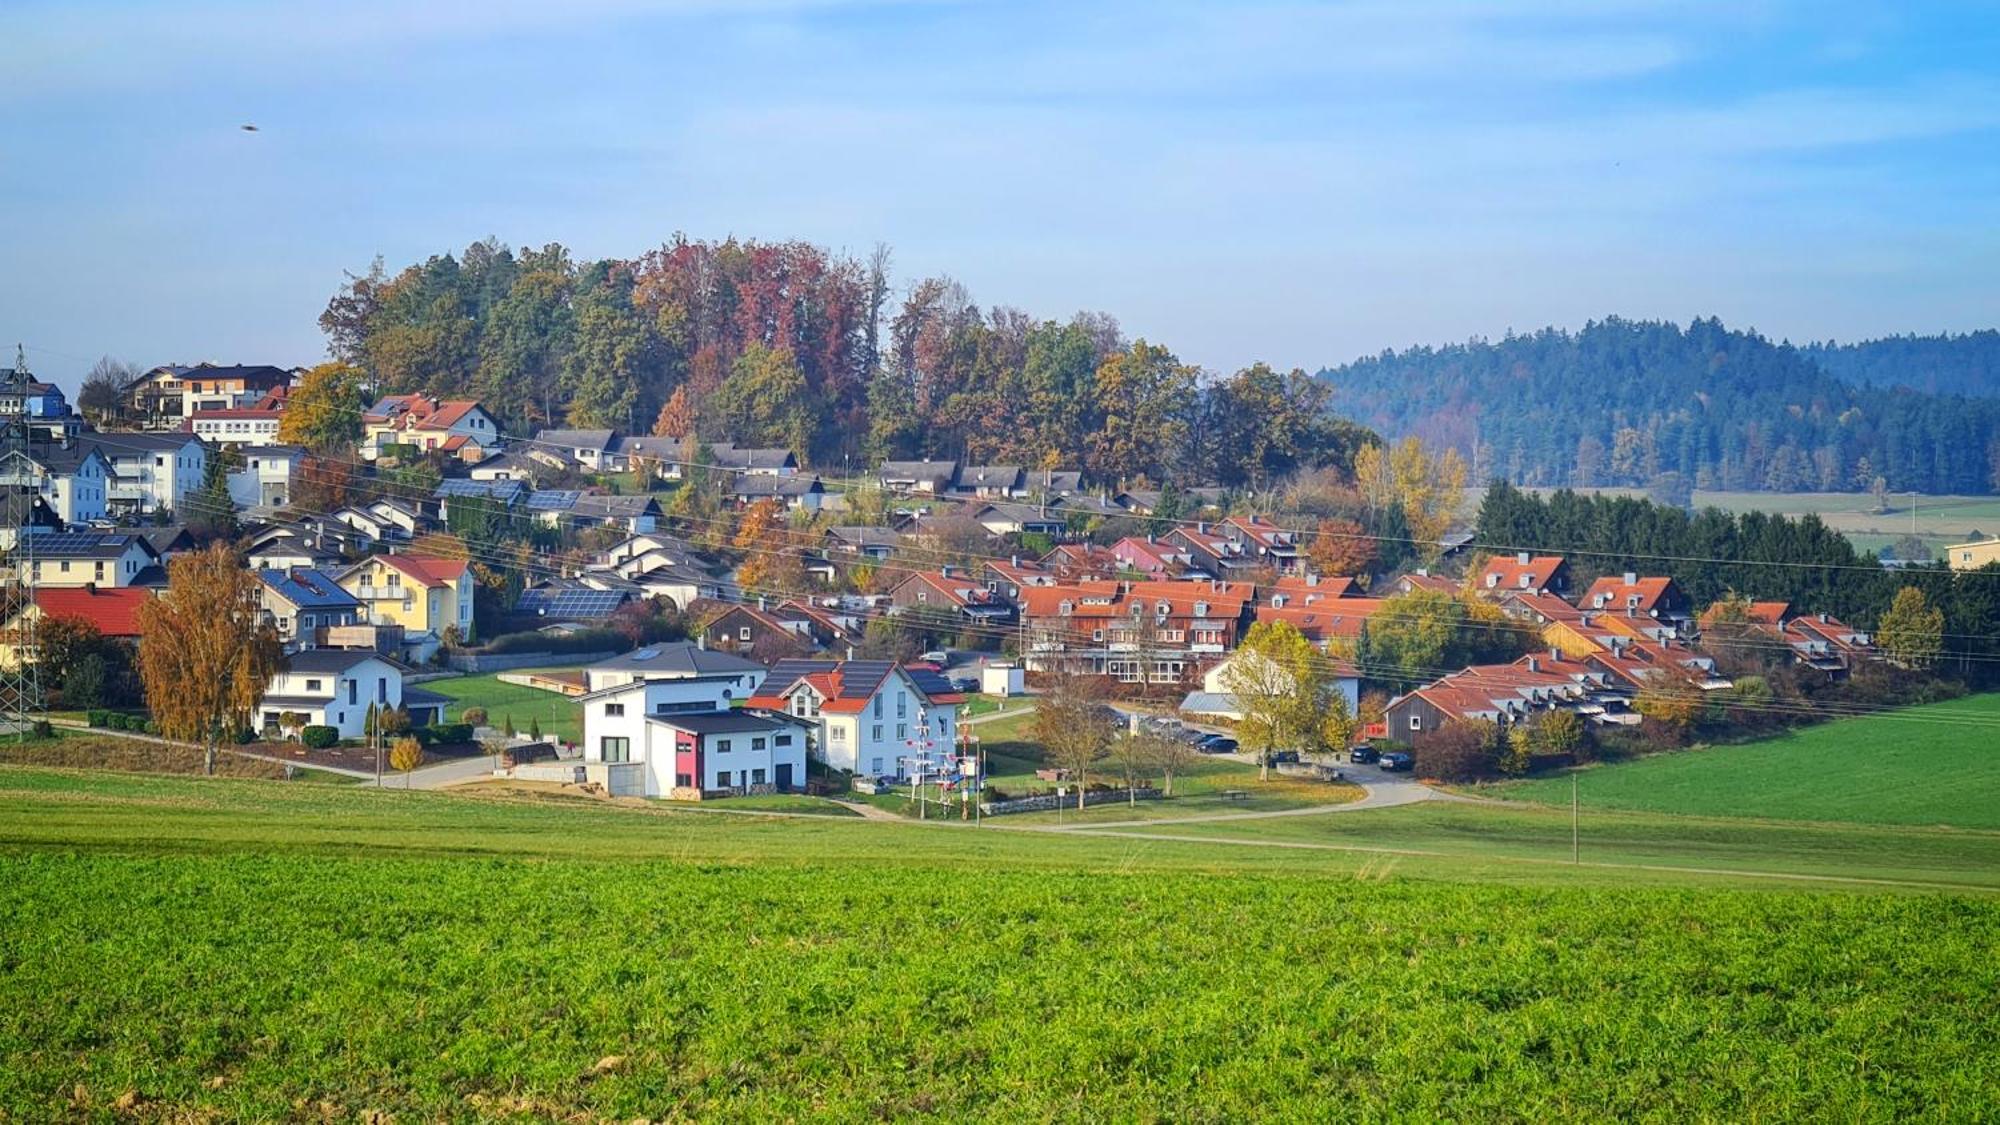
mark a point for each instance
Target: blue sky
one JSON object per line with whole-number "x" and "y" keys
{"x": 1291, "y": 182}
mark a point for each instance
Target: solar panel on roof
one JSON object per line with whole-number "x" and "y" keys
{"x": 557, "y": 499}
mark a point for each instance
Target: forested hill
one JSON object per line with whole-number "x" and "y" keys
{"x": 1636, "y": 402}
{"x": 1965, "y": 364}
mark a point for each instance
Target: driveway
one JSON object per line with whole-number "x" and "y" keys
{"x": 1386, "y": 791}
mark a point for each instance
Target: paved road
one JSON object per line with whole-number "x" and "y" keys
{"x": 1386, "y": 792}
{"x": 454, "y": 771}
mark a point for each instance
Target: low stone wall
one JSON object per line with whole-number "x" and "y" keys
{"x": 472, "y": 663}
{"x": 1309, "y": 770}
{"x": 689, "y": 793}
{"x": 1048, "y": 803}
{"x": 567, "y": 773}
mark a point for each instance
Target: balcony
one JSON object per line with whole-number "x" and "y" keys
{"x": 382, "y": 593}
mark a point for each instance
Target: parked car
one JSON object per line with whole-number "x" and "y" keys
{"x": 938, "y": 657}
{"x": 1216, "y": 744}
{"x": 1285, "y": 757}
{"x": 1364, "y": 755}
{"x": 1397, "y": 760}
{"x": 965, "y": 685}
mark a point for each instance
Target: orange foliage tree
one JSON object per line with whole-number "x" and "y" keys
{"x": 208, "y": 655}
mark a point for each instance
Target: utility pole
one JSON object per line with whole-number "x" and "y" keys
{"x": 1575, "y": 845}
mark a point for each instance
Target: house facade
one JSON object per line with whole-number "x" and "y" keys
{"x": 149, "y": 471}
{"x": 424, "y": 595}
{"x": 682, "y": 739}
{"x": 99, "y": 559}
{"x": 237, "y": 425}
{"x": 460, "y": 427}
{"x": 335, "y": 688}
{"x": 869, "y": 717}
{"x": 299, "y": 602}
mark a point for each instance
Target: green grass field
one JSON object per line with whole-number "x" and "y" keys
{"x": 1939, "y": 520}
{"x": 184, "y": 948}
{"x": 1935, "y": 765}
{"x": 560, "y": 716}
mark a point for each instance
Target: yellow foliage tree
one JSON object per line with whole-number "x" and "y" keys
{"x": 323, "y": 413}
{"x": 1429, "y": 487}
{"x": 771, "y": 564}
{"x": 207, "y": 656}
{"x": 406, "y": 754}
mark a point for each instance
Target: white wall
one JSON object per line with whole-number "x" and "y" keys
{"x": 371, "y": 681}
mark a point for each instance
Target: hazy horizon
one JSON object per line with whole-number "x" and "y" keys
{"x": 1297, "y": 184}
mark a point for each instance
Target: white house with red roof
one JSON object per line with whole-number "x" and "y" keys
{"x": 458, "y": 426}
{"x": 1524, "y": 572}
{"x": 870, "y": 717}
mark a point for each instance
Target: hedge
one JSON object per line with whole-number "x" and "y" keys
{"x": 319, "y": 737}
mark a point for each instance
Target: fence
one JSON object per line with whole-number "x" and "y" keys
{"x": 1050, "y": 801}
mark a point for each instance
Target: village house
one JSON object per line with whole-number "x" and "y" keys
{"x": 73, "y": 480}
{"x": 930, "y": 477}
{"x": 989, "y": 482}
{"x": 335, "y": 688}
{"x": 1973, "y": 555}
{"x": 1635, "y": 596}
{"x": 794, "y": 492}
{"x": 869, "y": 717}
{"x": 176, "y": 392}
{"x": 299, "y": 602}
{"x": 746, "y": 461}
{"x": 569, "y": 449}
{"x": 265, "y": 480}
{"x": 1080, "y": 562}
{"x": 1135, "y": 632}
{"x": 1330, "y": 624}
{"x": 246, "y": 426}
{"x": 514, "y": 466}
{"x": 458, "y": 427}
{"x": 875, "y": 543}
{"x": 315, "y": 541}
{"x": 113, "y": 612}
{"x": 1216, "y": 700}
{"x": 1263, "y": 542}
{"x": 1009, "y": 576}
{"x": 103, "y": 559}
{"x": 1523, "y": 572}
{"x": 428, "y": 597}
{"x": 952, "y": 589}
{"x": 1009, "y": 518}
{"x": 1151, "y": 557}
{"x": 1770, "y": 630}
{"x": 756, "y": 633}
{"x": 683, "y": 739}
{"x": 557, "y": 600}
{"x": 1423, "y": 579}
{"x": 1211, "y": 554}
{"x": 149, "y": 471}
{"x": 677, "y": 660}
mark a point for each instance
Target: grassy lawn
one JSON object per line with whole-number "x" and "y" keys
{"x": 1939, "y": 519}
{"x": 1933, "y": 765}
{"x": 560, "y": 716}
{"x": 787, "y": 803}
{"x": 181, "y": 949}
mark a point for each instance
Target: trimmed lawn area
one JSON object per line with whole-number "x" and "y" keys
{"x": 1932, "y": 765}
{"x": 560, "y": 715}
{"x": 784, "y": 802}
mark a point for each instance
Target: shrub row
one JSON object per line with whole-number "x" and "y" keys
{"x": 119, "y": 720}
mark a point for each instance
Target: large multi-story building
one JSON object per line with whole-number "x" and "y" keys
{"x": 870, "y": 717}
{"x": 1137, "y": 632}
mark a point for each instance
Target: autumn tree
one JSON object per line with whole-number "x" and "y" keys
{"x": 322, "y": 484}
{"x": 676, "y": 416}
{"x": 1074, "y": 727}
{"x": 1169, "y": 755}
{"x": 1427, "y": 487}
{"x": 1671, "y": 700}
{"x": 764, "y": 402}
{"x": 1146, "y": 406}
{"x": 1341, "y": 547}
{"x": 323, "y": 412}
{"x": 1281, "y": 688}
{"x": 1911, "y": 633}
{"x": 771, "y": 564}
{"x": 207, "y": 656}
{"x": 406, "y": 754}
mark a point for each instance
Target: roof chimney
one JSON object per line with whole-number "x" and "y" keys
{"x": 701, "y": 640}
{"x": 1631, "y": 578}
{"x": 1522, "y": 558}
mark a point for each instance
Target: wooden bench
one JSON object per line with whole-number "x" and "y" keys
{"x": 1235, "y": 794}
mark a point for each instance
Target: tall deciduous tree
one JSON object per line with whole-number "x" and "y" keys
{"x": 208, "y": 655}
{"x": 1280, "y": 685}
{"x": 323, "y": 413}
{"x": 1146, "y": 400}
{"x": 102, "y": 394}
{"x": 1429, "y": 487}
{"x": 1074, "y": 727}
{"x": 1911, "y": 633}
{"x": 1341, "y": 548}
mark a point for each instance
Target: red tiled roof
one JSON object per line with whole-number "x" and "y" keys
{"x": 1339, "y": 618}
{"x": 1761, "y": 613}
{"x": 114, "y": 611}
{"x": 1297, "y": 588}
{"x": 1547, "y": 606}
{"x": 1108, "y": 599}
{"x": 425, "y": 569}
{"x": 1509, "y": 571}
{"x": 1437, "y": 582}
{"x": 1613, "y": 591}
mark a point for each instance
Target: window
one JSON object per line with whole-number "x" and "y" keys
{"x": 722, "y": 779}
{"x": 722, "y": 746}
{"x": 684, "y": 780}
{"x": 840, "y": 734}
{"x": 312, "y": 685}
{"x": 1416, "y": 722}
{"x": 782, "y": 740}
{"x": 878, "y": 710}
{"x": 615, "y": 749}
{"x": 614, "y": 710}
{"x": 353, "y": 692}
{"x": 875, "y": 766}
{"x": 756, "y": 777}
{"x": 757, "y": 744}
{"x": 878, "y": 732}
{"x": 902, "y": 705}
{"x": 902, "y": 730}
{"x": 743, "y": 633}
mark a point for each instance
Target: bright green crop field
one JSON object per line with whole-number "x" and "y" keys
{"x": 1934, "y": 765}
{"x": 188, "y": 948}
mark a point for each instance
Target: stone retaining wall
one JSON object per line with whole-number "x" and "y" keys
{"x": 1048, "y": 803}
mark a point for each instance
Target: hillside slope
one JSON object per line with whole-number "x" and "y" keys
{"x": 1622, "y": 402}
{"x": 1964, "y": 364}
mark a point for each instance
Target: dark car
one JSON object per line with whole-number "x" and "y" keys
{"x": 965, "y": 685}
{"x": 1364, "y": 755}
{"x": 1285, "y": 757}
{"x": 1217, "y": 744}
{"x": 1397, "y": 760}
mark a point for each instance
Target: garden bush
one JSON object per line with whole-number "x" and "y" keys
{"x": 97, "y": 717}
{"x": 319, "y": 737}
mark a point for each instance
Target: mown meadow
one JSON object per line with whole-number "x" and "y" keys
{"x": 255, "y": 950}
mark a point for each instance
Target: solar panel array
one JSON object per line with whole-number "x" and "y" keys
{"x": 498, "y": 488}
{"x": 70, "y": 542}
{"x": 571, "y": 603}
{"x": 930, "y": 683}
{"x": 860, "y": 678}
{"x": 553, "y": 500}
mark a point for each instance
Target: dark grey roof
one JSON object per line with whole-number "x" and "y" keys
{"x": 677, "y": 656}
{"x": 89, "y": 544}
{"x": 643, "y": 446}
{"x": 151, "y": 441}
{"x": 599, "y": 506}
{"x": 424, "y": 698}
{"x": 505, "y": 491}
{"x": 171, "y": 538}
{"x": 720, "y": 722}
{"x": 575, "y": 439}
{"x": 332, "y": 659}
{"x": 307, "y": 588}
{"x": 941, "y": 471}
{"x": 761, "y": 486}
{"x": 866, "y": 536}
{"x": 974, "y": 477}
{"x": 728, "y": 456}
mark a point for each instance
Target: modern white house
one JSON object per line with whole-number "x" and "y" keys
{"x": 1216, "y": 700}
{"x": 335, "y": 687}
{"x": 871, "y": 717}
{"x": 149, "y": 471}
{"x": 265, "y": 480}
{"x": 237, "y": 425}
{"x": 299, "y": 601}
{"x": 677, "y": 660}
{"x": 681, "y": 739}
{"x": 73, "y": 481}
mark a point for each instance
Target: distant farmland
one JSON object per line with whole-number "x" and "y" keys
{"x": 1939, "y": 519}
